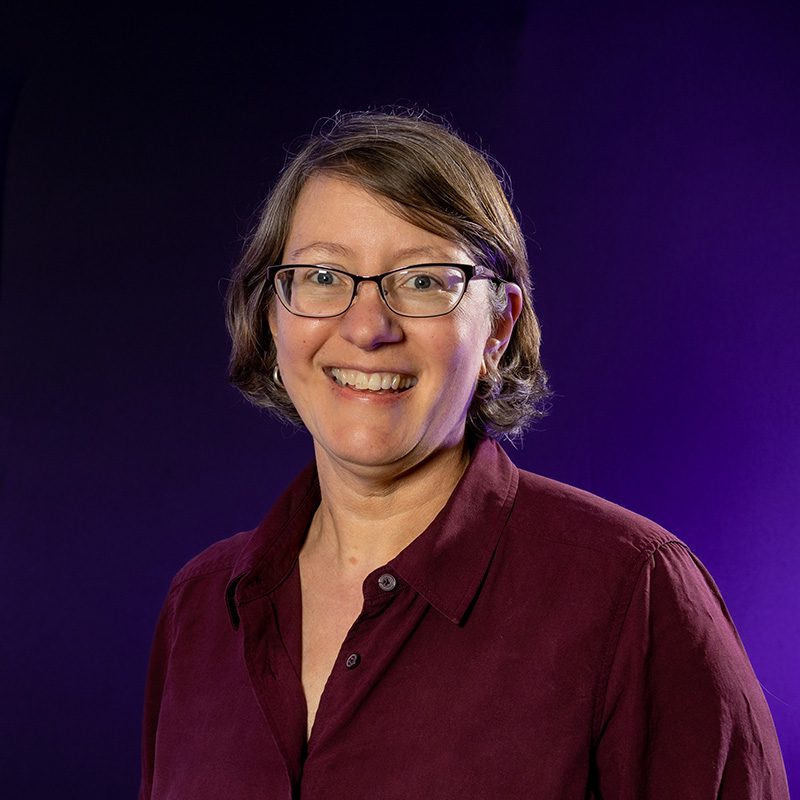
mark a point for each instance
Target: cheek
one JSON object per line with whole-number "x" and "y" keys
{"x": 469, "y": 336}
{"x": 296, "y": 338}
{"x": 458, "y": 356}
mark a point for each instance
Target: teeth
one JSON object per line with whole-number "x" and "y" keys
{"x": 372, "y": 381}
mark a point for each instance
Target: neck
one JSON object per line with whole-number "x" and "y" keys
{"x": 365, "y": 518}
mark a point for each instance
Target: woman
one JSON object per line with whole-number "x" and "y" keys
{"x": 416, "y": 617}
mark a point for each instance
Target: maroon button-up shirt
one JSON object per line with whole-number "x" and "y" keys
{"x": 534, "y": 642}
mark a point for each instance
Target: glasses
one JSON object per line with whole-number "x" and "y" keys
{"x": 421, "y": 290}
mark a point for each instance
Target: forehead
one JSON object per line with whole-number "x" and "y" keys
{"x": 336, "y": 217}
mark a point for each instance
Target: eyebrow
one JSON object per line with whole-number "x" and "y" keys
{"x": 327, "y": 247}
{"x": 336, "y": 249}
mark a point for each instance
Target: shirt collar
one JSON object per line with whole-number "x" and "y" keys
{"x": 269, "y": 553}
{"x": 445, "y": 564}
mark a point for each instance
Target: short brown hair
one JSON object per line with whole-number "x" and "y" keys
{"x": 433, "y": 179}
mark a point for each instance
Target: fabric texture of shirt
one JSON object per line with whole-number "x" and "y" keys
{"x": 533, "y": 642}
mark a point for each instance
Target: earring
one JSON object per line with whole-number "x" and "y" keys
{"x": 276, "y": 376}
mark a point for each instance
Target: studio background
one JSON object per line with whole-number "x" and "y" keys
{"x": 654, "y": 158}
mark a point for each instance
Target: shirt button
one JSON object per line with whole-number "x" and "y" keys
{"x": 353, "y": 661}
{"x": 387, "y": 582}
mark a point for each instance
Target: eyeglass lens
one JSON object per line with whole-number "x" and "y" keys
{"x": 424, "y": 291}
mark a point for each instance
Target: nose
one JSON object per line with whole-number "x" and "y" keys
{"x": 369, "y": 323}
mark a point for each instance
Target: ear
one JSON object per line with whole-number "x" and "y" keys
{"x": 504, "y": 325}
{"x": 271, "y": 318}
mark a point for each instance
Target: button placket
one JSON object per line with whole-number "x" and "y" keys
{"x": 386, "y": 583}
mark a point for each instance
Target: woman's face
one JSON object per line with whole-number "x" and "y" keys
{"x": 341, "y": 225}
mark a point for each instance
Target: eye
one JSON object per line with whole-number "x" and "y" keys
{"x": 421, "y": 281}
{"x": 319, "y": 276}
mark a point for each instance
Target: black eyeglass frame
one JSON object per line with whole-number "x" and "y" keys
{"x": 471, "y": 272}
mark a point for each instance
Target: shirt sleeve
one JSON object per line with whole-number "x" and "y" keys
{"x": 154, "y": 688}
{"x": 683, "y": 715}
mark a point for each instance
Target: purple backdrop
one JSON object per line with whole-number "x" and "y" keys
{"x": 655, "y": 162}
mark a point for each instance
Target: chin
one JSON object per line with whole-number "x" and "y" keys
{"x": 367, "y": 447}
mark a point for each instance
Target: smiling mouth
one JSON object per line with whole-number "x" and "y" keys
{"x": 372, "y": 381}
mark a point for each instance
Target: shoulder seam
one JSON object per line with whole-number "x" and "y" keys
{"x": 180, "y": 579}
{"x": 646, "y": 548}
{"x": 207, "y": 563}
